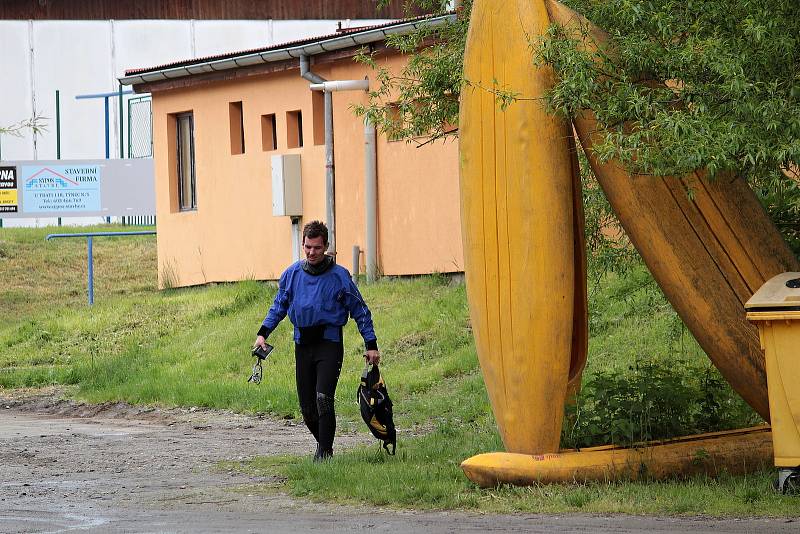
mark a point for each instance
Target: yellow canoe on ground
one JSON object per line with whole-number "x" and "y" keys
{"x": 522, "y": 230}
{"x": 709, "y": 255}
{"x": 733, "y": 452}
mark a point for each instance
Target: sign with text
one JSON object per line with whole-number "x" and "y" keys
{"x": 60, "y": 188}
{"x": 77, "y": 188}
{"x": 8, "y": 190}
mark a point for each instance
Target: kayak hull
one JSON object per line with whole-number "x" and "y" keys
{"x": 732, "y": 452}
{"x": 525, "y": 271}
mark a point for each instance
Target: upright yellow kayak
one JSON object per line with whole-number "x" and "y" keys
{"x": 525, "y": 271}
{"x": 708, "y": 254}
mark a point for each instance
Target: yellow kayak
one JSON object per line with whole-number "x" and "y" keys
{"x": 709, "y": 255}
{"x": 522, "y": 230}
{"x": 732, "y": 452}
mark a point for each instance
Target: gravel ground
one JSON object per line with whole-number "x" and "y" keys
{"x": 71, "y": 467}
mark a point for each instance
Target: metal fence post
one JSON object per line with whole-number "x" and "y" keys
{"x": 58, "y": 131}
{"x": 356, "y": 268}
{"x": 121, "y": 126}
{"x": 108, "y": 154}
{"x": 90, "y": 261}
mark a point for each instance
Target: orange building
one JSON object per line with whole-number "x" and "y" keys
{"x": 218, "y": 122}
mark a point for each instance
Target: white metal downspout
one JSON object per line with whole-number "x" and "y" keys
{"x": 296, "y": 238}
{"x": 330, "y": 174}
{"x": 330, "y": 171}
{"x": 370, "y": 164}
{"x": 371, "y": 194}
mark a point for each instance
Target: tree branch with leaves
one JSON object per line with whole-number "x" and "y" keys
{"x": 724, "y": 91}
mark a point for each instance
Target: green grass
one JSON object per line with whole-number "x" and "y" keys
{"x": 421, "y": 476}
{"x": 190, "y": 347}
{"x": 39, "y": 275}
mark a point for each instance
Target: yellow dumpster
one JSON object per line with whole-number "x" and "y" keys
{"x": 775, "y": 308}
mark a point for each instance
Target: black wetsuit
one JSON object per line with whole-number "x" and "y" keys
{"x": 317, "y": 370}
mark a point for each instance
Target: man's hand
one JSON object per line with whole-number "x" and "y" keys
{"x": 260, "y": 342}
{"x": 372, "y": 356}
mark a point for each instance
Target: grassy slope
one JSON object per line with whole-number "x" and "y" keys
{"x": 189, "y": 347}
{"x": 38, "y": 274}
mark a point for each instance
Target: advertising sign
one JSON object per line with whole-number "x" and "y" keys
{"x": 60, "y": 188}
{"x": 8, "y": 190}
{"x": 77, "y": 188}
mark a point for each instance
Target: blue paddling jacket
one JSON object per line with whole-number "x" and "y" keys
{"x": 319, "y": 305}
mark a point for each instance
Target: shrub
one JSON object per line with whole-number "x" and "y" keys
{"x": 651, "y": 400}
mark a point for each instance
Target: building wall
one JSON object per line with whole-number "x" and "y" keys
{"x": 233, "y": 235}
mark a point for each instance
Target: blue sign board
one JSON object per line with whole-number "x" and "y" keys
{"x": 60, "y": 188}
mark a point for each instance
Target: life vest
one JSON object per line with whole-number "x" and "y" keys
{"x": 376, "y": 407}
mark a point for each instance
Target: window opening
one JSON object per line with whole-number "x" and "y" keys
{"x": 236, "y": 127}
{"x": 187, "y": 190}
{"x": 294, "y": 129}
{"x": 318, "y": 116}
{"x": 269, "y": 132}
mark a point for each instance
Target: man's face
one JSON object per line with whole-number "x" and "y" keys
{"x": 314, "y": 247}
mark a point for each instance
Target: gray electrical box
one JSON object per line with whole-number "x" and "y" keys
{"x": 287, "y": 189}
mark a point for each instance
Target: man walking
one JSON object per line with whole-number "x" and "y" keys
{"x": 318, "y": 296}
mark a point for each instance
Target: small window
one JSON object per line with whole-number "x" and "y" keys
{"x": 236, "y": 127}
{"x": 318, "y": 116}
{"x": 187, "y": 190}
{"x": 294, "y": 129}
{"x": 269, "y": 132}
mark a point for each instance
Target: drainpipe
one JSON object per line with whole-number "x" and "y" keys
{"x": 371, "y": 194}
{"x": 296, "y": 238}
{"x": 370, "y": 170}
{"x": 341, "y": 85}
{"x": 330, "y": 171}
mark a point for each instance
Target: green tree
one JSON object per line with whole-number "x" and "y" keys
{"x": 421, "y": 101}
{"x": 692, "y": 84}
{"x": 726, "y": 95}
{"x": 733, "y": 97}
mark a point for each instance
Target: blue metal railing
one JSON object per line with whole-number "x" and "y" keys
{"x": 89, "y": 254}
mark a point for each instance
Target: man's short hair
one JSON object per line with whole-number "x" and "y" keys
{"x": 316, "y": 229}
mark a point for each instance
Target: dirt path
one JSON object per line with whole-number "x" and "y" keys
{"x": 115, "y": 468}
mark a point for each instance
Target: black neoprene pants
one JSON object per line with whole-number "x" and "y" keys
{"x": 317, "y": 367}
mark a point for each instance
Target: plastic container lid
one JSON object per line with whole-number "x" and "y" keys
{"x": 780, "y": 293}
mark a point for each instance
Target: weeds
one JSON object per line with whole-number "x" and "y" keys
{"x": 653, "y": 400}
{"x": 168, "y": 278}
